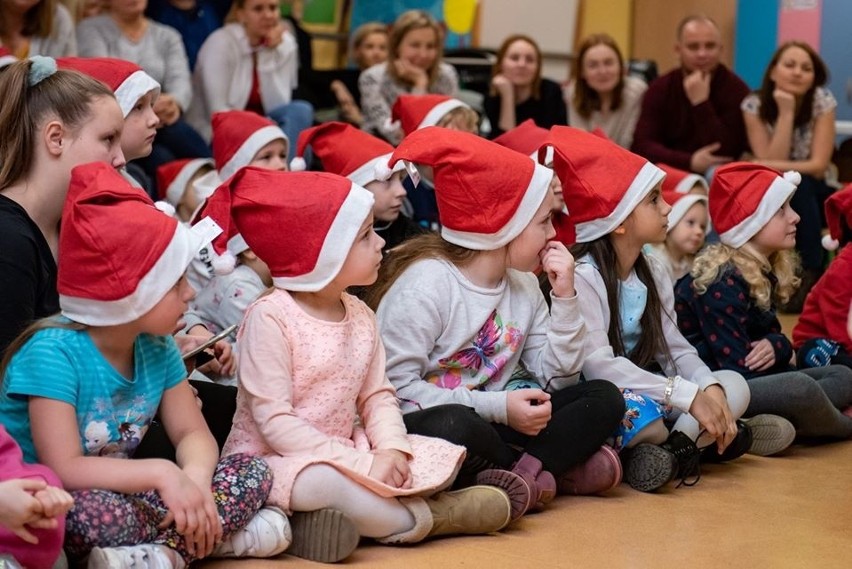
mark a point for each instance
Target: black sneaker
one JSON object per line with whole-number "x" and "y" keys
{"x": 688, "y": 458}
{"x": 738, "y": 447}
{"x": 648, "y": 467}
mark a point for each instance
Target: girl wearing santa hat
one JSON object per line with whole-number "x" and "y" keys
{"x": 80, "y": 390}
{"x": 176, "y": 185}
{"x": 616, "y": 208}
{"x": 472, "y": 351}
{"x": 687, "y": 227}
{"x": 314, "y": 400}
{"x": 726, "y": 307}
{"x": 820, "y": 336}
{"x": 51, "y": 121}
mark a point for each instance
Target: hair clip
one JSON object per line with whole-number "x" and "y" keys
{"x": 41, "y": 68}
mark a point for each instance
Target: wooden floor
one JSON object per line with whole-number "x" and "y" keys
{"x": 789, "y": 511}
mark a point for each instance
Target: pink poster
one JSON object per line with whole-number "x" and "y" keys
{"x": 800, "y": 20}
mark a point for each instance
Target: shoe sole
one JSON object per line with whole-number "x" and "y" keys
{"x": 650, "y": 468}
{"x": 770, "y": 436}
{"x": 326, "y": 535}
{"x": 520, "y": 495}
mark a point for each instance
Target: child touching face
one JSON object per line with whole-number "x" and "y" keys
{"x": 112, "y": 365}
{"x": 501, "y": 371}
{"x": 726, "y": 307}
{"x": 312, "y": 361}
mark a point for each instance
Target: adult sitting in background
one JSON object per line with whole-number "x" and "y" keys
{"x": 125, "y": 33}
{"x": 790, "y": 126}
{"x": 37, "y": 27}
{"x": 194, "y": 20}
{"x": 691, "y": 116}
{"x": 600, "y": 95}
{"x": 251, "y": 64}
{"x": 414, "y": 67}
{"x": 519, "y": 92}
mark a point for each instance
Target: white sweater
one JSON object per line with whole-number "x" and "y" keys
{"x": 450, "y": 341}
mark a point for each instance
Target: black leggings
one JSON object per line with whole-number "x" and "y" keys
{"x": 584, "y": 416}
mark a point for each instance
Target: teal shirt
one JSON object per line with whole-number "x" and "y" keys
{"x": 113, "y": 412}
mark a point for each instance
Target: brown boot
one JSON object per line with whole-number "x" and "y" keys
{"x": 473, "y": 510}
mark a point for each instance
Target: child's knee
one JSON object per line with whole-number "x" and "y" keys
{"x": 736, "y": 391}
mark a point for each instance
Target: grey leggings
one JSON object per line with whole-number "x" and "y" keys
{"x": 811, "y": 399}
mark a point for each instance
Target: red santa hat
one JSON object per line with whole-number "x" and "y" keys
{"x": 173, "y": 177}
{"x": 680, "y": 204}
{"x": 127, "y": 80}
{"x": 744, "y": 197}
{"x": 486, "y": 193}
{"x": 838, "y": 216}
{"x": 680, "y": 181}
{"x": 6, "y": 57}
{"x": 238, "y": 136}
{"x": 120, "y": 254}
{"x": 414, "y": 112}
{"x": 303, "y": 230}
{"x": 527, "y": 138}
{"x": 344, "y": 150}
{"x": 602, "y": 183}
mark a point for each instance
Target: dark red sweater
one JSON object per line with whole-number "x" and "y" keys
{"x": 670, "y": 129}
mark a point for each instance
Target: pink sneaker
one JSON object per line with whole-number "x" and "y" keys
{"x": 600, "y": 472}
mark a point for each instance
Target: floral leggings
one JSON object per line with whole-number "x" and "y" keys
{"x": 101, "y": 518}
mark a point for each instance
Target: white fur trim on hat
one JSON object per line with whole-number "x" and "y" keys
{"x": 548, "y": 156}
{"x": 645, "y": 181}
{"x": 7, "y": 60}
{"x": 336, "y": 245}
{"x": 183, "y": 247}
{"x": 133, "y": 88}
{"x": 437, "y": 112}
{"x": 682, "y": 206}
{"x": 177, "y": 188}
{"x": 237, "y": 244}
{"x": 537, "y": 190}
{"x": 258, "y": 139}
{"x": 368, "y": 172}
{"x": 779, "y": 192}
{"x": 689, "y": 181}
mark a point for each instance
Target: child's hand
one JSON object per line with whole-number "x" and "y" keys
{"x": 54, "y": 501}
{"x": 709, "y": 415}
{"x": 558, "y": 264}
{"x": 192, "y": 510}
{"x": 18, "y": 506}
{"x": 761, "y": 357}
{"x": 716, "y": 393}
{"x": 528, "y": 410}
{"x": 391, "y": 467}
{"x": 224, "y": 363}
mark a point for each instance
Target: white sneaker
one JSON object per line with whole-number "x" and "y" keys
{"x": 267, "y": 534}
{"x": 144, "y": 556}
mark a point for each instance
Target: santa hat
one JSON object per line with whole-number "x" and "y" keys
{"x": 120, "y": 254}
{"x": 680, "y": 181}
{"x": 744, "y": 197}
{"x": 238, "y": 136}
{"x": 172, "y": 177}
{"x": 838, "y": 216}
{"x": 127, "y": 80}
{"x": 303, "y": 230}
{"x": 6, "y": 57}
{"x": 414, "y": 112}
{"x": 680, "y": 204}
{"x": 527, "y": 138}
{"x": 344, "y": 150}
{"x": 486, "y": 193}
{"x": 602, "y": 183}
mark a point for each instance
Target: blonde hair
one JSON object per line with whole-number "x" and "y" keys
{"x": 754, "y": 267}
{"x": 363, "y": 32}
{"x": 461, "y": 118}
{"x": 407, "y": 22}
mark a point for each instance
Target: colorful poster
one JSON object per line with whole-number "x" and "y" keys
{"x": 458, "y": 15}
{"x": 800, "y": 20}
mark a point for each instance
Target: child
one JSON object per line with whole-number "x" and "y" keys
{"x": 687, "y": 227}
{"x": 79, "y": 392}
{"x": 346, "y": 151}
{"x": 32, "y": 509}
{"x": 726, "y": 306}
{"x": 369, "y": 47}
{"x": 176, "y": 184}
{"x": 473, "y": 354}
{"x": 313, "y": 399}
{"x": 682, "y": 182}
{"x": 616, "y": 208}
{"x": 820, "y": 336}
{"x": 136, "y": 93}
{"x": 413, "y": 112}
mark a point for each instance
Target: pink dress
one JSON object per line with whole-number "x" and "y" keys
{"x": 313, "y": 391}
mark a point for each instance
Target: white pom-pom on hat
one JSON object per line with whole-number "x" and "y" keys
{"x": 829, "y": 244}
{"x": 166, "y": 208}
{"x": 793, "y": 177}
{"x": 224, "y": 264}
{"x": 298, "y": 164}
